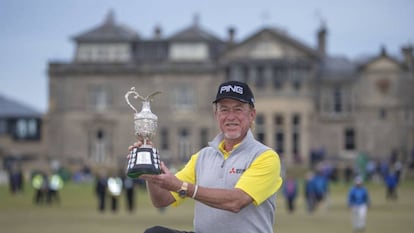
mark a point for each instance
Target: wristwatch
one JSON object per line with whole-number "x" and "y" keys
{"x": 182, "y": 192}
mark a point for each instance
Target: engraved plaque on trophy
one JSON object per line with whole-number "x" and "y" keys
{"x": 145, "y": 159}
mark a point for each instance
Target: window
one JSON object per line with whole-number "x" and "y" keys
{"x": 279, "y": 133}
{"x": 21, "y": 129}
{"x": 280, "y": 141}
{"x": 296, "y": 84}
{"x": 184, "y": 147}
{"x": 296, "y": 134}
{"x": 260, "y": 119}
{"x": 260, "y": 128}
{"x": 100, "y": 146}
{"x": 296, "y": 121}
{"x": 3, "y": 126}
{"x": 295, "y": 143}
{"x": 246, "y": 73}
{"x": 165, "y": 145}
{"x": 103, "y": 52}
{"x": 260, "y": 81}
{"x": 279, "y": 120}
{"x": 99, "y": 97}
{"x": 349, "y": 139}
{"x": 100, "y": 154}
{"x": 184, "y": 98}
{"x": 203, "y": 137}
{"x": 383, "y": 114}
{"x": 189, "y": 52}
{"x": 295, "y": 76}
{"x": 27, "y": 129}
{"x": 338, "y": 100}
{"x": 279, "y": 74}
{"x": 227, "y": 71}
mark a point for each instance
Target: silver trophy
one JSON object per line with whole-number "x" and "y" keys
{"x": 145, "y": 159}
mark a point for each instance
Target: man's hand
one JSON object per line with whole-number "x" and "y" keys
{"x": 137, "y": 144}
{"x": 166, "y": 180}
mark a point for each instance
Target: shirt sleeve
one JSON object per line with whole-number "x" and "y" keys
{"x": 262, "y": 179}
{"x": 186, "y": 174}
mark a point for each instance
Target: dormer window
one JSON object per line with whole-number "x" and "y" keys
{"x": 187, "y": 51}
{"x": 103, "y": 52}
{"x": 108, "y": 43}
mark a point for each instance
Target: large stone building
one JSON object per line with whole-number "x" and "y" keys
{"x": 306, "y": 100}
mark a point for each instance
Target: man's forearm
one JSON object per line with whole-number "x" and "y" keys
{"x": 226, "y": 199}
{"x": 160, "y": 197}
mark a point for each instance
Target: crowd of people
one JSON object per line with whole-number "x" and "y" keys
{"x": 46, "y": 188}
{"x": 316, "y": 181}
{"x": 315, "y": 187}
{"x": 110, "y": 189}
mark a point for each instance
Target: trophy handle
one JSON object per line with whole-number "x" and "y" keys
{"x": 136, "y": 95}
{"x": 149, "y": 98}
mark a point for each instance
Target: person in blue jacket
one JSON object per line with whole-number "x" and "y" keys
{"x": 290, "y": 190}
{"x": 320, "y": 185}
{"x": 391, "y": 183}
{"x": 358, "y": 202}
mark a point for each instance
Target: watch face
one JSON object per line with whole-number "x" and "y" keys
{"x": 182, "y": 193}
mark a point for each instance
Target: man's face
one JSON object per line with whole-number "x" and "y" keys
{"x": 234, "y": 118}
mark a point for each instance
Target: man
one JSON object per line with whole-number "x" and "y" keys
{"x": 234, "y": 180}
{"x": 358, "y": 201}
{"x": 290, "y": 188}
{"x": 55, "y": 185}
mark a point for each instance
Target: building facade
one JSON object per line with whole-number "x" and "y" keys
{"x": 306, "y": 99}
{"x": 22, "y": 140}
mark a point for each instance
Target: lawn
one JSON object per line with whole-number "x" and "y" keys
{"x": 78, "y": 213}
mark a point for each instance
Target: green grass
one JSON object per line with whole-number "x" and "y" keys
{"x": 78, "y": 213}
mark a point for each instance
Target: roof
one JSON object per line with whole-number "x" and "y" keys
{"x": 12, "y": 108}
{"x": 194, "y": 33}
{"x": 282, "y": 36}
{"x": 337, "y": 68}
{"x": 383, "y": 54}
{"x": 109, "y": 31}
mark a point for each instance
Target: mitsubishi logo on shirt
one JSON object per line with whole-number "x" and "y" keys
{"x": 236, "y": 170}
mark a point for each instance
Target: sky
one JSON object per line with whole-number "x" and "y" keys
{"x": 34, "y": 33}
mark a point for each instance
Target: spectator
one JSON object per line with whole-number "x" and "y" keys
{"x": 309, "y": 192}
{"x": 39, "y": 183}
{"x": 129, "y": 193}
{"x": 391, "y": 183}
{"x": 320, "y": 187}
{"x": 55, "y": 185}
{"x": 348, "y": 173}
{"x": 358, "y": 202}
{"x": 290, "y": 191}
{"x": 115, "y": 189}
{"x": 100, "y": 191}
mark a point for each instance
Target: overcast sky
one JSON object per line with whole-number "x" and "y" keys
{"x": 34, "y": 32}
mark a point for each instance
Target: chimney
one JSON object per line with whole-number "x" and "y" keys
{"x": 407, "y": 52}
{"x": 231, "y": 33}
{"x": 196, "y": 20}
{"x": 110, "y": 18}
{"x": 383, "y": 52}
{"x": 157, "y": 32}
{"x": 322, "y": 40}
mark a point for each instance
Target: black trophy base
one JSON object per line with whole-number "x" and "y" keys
{"x": 140, "y": 170}
{"x": 143, "y": 160}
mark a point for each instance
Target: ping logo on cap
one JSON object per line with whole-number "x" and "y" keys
{"x": 228, "y": 88}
